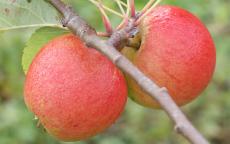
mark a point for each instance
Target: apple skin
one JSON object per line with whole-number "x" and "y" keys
{"x": 176, "y": 52}
{"x": 75, "y": 91}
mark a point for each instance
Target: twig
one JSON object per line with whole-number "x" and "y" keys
{"x": 103, "y": 34}
{"x": 88, "y": 35}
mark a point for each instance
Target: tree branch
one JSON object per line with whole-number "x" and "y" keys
{"x": 89, "y": 36}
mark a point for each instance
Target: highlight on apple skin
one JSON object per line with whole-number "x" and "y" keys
{"x": 75, "y": 91}
{"x": 176, "y": 52}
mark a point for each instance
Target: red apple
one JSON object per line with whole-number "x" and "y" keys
{"x": 75, "y": 91}
{"x": 176, "y": 52}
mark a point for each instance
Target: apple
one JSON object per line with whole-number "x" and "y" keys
{"x": 176, "y": 51}
{"x": 75, "y": 91}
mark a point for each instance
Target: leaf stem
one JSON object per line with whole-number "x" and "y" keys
{"x": 30, "y": 26}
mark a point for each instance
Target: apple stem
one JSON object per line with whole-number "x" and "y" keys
{"x": 132, "y": 8}
{"x": 147, "y": 6}
{"x": 122, "y": 3}
{"x": 146, "y": 12}
{"x": 107, "y": 8}
{"x": 120, "y": 6}
{"x": 126, "y": 18}
{"x": 105, "y": 19}
{"x": 123, "y": 23}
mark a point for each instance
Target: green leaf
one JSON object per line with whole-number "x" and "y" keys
{"x": 39, "y": 38}
{"x": 15, "y": 14}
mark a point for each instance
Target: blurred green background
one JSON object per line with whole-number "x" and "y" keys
{"x": 210, "y": 113}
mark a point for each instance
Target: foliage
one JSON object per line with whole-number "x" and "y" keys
{"x": 210, "y": 112}
{"x": 36, "y": 41}
{"x": 21, "y": 13}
